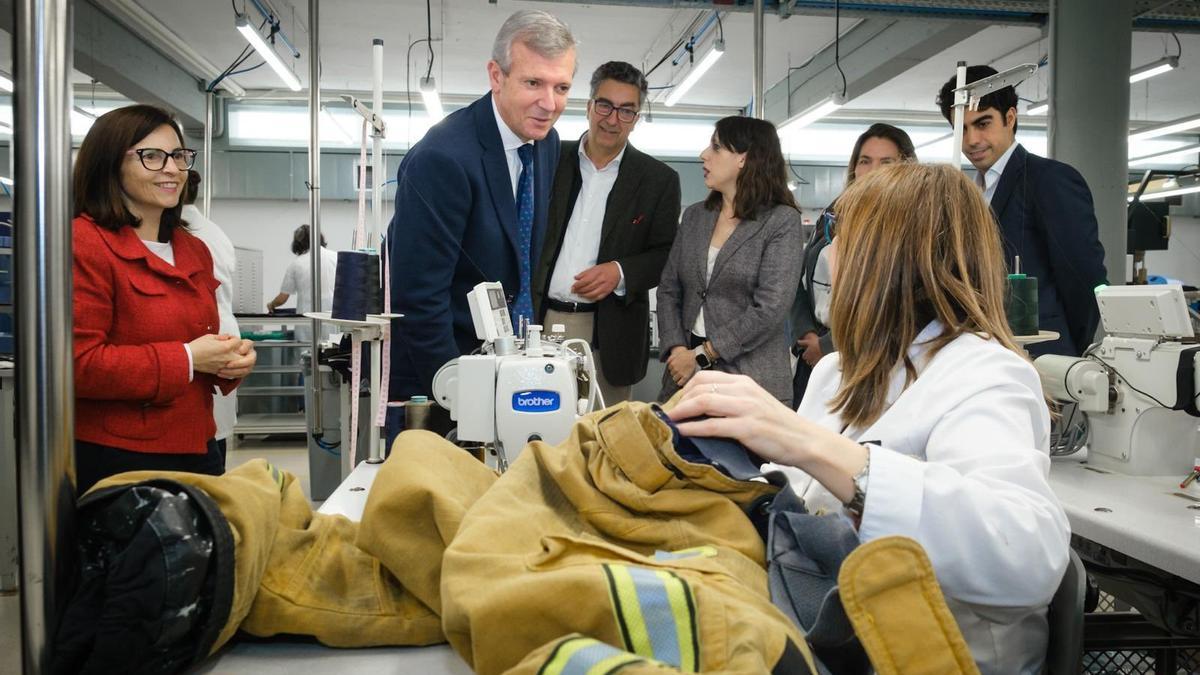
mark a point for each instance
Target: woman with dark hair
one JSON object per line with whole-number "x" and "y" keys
{"x": 731, "y": 274}
{"x": 880, "y": 145}
{"x": 929, "y": 421}
{"x": 297, "y": 280}
{"x": 148, "y": 351}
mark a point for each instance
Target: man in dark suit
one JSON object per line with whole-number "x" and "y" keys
{"x": 1045, "y": 212}
{"x": 613, "y": 214}
{"x": 471, "y": 201}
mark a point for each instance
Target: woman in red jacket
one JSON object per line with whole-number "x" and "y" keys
{"x": 148, "y": 355}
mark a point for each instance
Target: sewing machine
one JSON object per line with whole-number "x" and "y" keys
{"x": 516, "y": 389}
{"x": 1139, "y": 386}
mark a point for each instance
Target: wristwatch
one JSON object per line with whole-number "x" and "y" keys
{"x": 703, "y": 361}
{"x": 859, "y": 500}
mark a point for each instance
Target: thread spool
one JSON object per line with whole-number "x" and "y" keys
{"x": 356, "y": 289}
{"x": 1021, "y": 304}
{"x": 416, "y": 412}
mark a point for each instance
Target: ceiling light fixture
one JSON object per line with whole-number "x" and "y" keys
{"x": 812, "y": 114}
{"x": 6, "y": 83}
{"x": 1159, "y": 156}
{"x": 1171, "y": 127}
{"x": 1038, "y": 108}
{"x": 1163, "y": 65}
{"x": 267, "y": 53}
{"x": 433, "y": 102}
{"x": 697, "y": 71}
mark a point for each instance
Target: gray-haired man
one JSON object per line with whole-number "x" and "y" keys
{"x": 472, "y": 198}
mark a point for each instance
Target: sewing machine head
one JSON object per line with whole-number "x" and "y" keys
{"x": 1139, "y": 385}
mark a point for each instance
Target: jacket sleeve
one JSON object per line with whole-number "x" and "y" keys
{"x": 425, "y": 237}
{"x": 778, "y": 278}
{"x": 980, "y": 504}
{"x": 1064, "y": 207}
{"x": 156, "y": 372}
{"x": 644, "y": 269}
{"x": 669, "y": 307}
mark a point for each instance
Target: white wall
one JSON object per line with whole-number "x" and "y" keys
{"x": 267, "y": 225}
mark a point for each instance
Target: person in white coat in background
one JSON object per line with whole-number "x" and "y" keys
{"x": 928, "y": 422}
{"x": 224, "y": 269}
{"x": 297, "y": 281}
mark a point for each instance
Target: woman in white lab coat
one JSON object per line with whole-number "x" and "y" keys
{"x": 929, "y": 422}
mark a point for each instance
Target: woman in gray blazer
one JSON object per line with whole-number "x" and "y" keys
{"x": 732, "y": 274}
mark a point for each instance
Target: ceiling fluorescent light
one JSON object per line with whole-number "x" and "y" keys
{"x": 1160, "y": 156}
{"x": 433, "y": 102}
{"x": 697, "y": 71}
{"x": 812, "y": 114}
{"x": 1163, "y": 65}
{"x": 267, "y": 53}
{"x": 6, "y": 180}
{"x": 1174, "y": 126}
{"x": 1183, "y": 185}
{"x": 6, "y": 83}
{"x": 1039, "y": 108}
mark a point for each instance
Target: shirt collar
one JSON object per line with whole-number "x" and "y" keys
{"x": 994, "y": 172}
{"x": 615, "y": 163}
{"x": 510, "y": 140}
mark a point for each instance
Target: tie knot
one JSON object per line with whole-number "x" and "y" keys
{"x": 526, "y": 154}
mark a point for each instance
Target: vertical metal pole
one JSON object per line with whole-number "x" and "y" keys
{"x": 45, "y": 389}
{"x": 206, "y": 179}
{"x": 759, "y": 109}
{"x": 960, "y": 115}
{"x": 377, "y": 180}
{"x": 314, "y": 205}
{"x": 377, "y": 177}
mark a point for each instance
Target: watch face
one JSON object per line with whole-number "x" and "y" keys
{"x": 702, "y": 360}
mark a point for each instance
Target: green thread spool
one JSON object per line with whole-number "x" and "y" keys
{"x": 1021, "y": 304}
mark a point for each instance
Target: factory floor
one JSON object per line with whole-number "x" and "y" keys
{"x": 288, "y": 453}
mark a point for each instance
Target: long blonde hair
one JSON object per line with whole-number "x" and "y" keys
{"x": 916, "y": 242}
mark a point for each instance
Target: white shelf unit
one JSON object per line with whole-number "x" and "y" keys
{"x": 271, "y": 399}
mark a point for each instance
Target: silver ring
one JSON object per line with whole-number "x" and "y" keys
{"x": 712, "y": 388}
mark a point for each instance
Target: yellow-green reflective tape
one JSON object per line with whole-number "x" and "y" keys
{"x": 655, "y": 612}
{"x": 694, "y": 552}
{"x": 585, "y": 656}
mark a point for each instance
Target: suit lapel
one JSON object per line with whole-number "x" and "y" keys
{"x": 495, "y": 167}
{"x": 1008, "y": 181}
{"x": 741, "y": 234}
{"x": 629, "y": 177}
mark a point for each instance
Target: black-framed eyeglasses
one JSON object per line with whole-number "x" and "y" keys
{"x": 604, "y": 108}
{"x": 155, "y": 159}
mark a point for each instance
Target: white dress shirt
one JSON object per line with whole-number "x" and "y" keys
{"x": 224, "y": 268}
{"x": 511, "y": 143}
{"x": 581, "y": 243}
{"x": 698, "y": 325}
{"x": 297, "y": 281}
{"x": 992, "y": 177}
{"x": 961, "y": 466}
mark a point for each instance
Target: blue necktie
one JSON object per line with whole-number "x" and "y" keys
{"x": 524, "y": 305}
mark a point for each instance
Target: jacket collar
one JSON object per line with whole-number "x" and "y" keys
{"x": 1009, "y": 179}
{"x": 126, "y": 244}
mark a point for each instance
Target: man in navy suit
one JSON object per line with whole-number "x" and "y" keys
{"x": 1045, "y": 213}
{"x": 459, "y": 217}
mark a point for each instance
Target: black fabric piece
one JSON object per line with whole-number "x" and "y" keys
{"x": 95, "y": 462}
{"x": 154, "y": 581}
{"x": 728, "y": 456}
{"x": 791, "y": 662}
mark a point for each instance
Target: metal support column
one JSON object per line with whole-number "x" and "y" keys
{"x": 206, "y": 178}
{"x": 1089, "y": 109}
{"x": 42, "y": 247}
{"x": 314, "y": 203}
{"x": 759, "y": 107}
